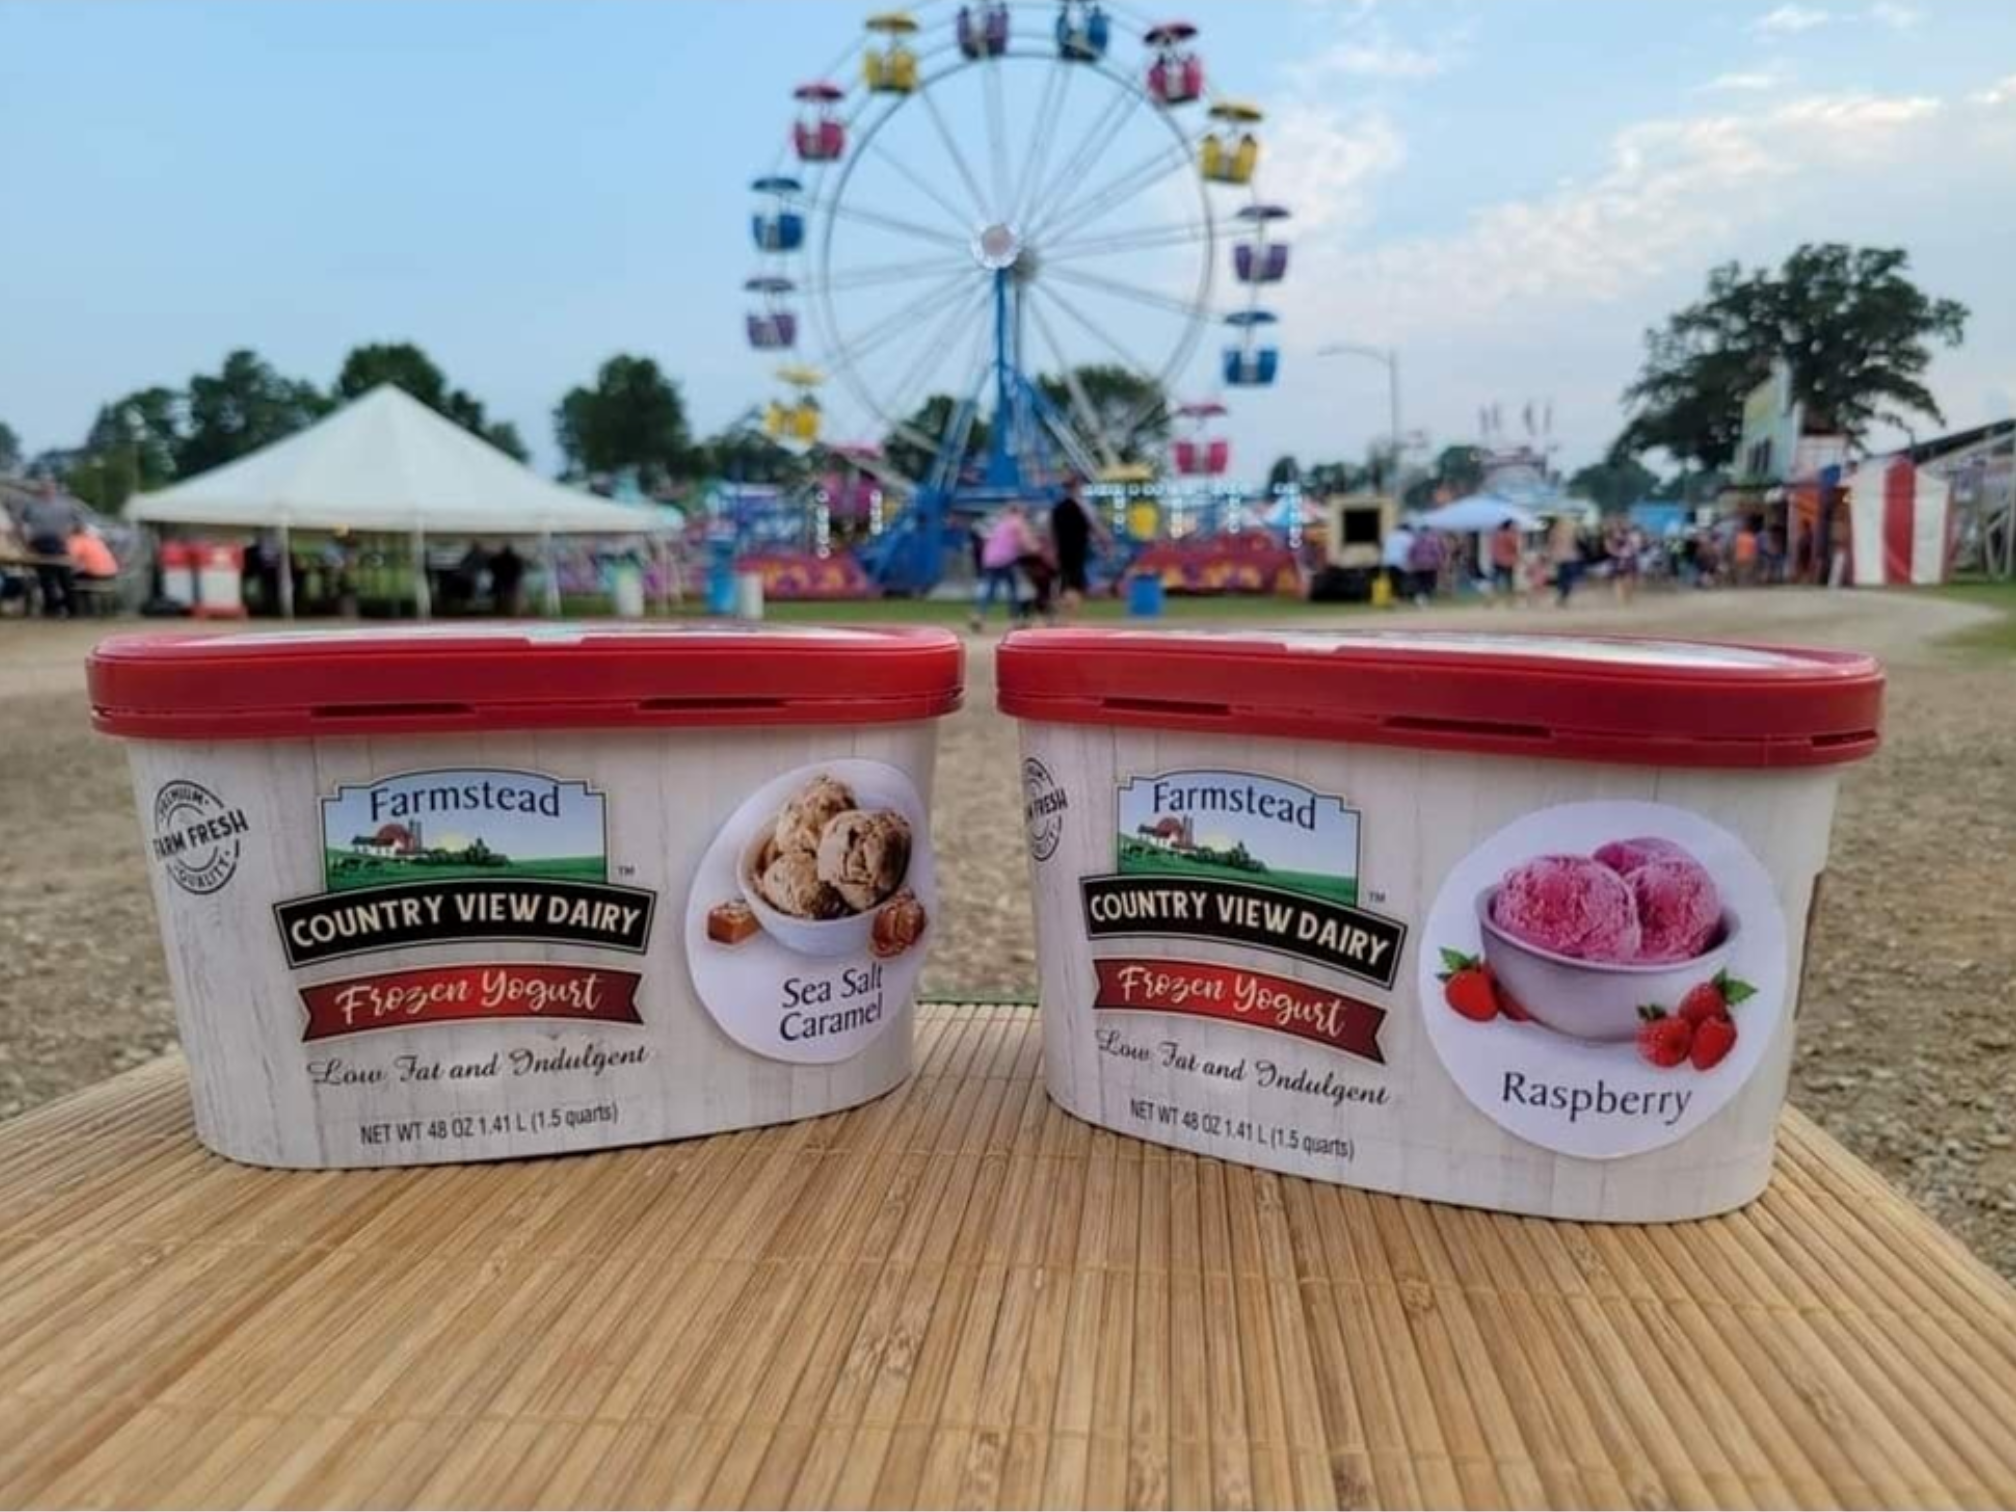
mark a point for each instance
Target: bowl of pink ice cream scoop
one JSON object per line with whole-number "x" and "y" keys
{"x": 1581, "y": 943}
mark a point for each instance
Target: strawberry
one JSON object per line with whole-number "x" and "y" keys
{"x": 1713, "y": 999}
{"x": 1663, "y": 1039}
{"x": 1713, "y": 1039}
{"x": 1467, "y": 986}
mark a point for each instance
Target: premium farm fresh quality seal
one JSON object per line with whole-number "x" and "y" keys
{"x": 1515, "y": 921}
{"x": 451, "y": 894}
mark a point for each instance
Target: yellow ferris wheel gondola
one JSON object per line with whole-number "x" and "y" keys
{"x": 795, "y": 419}
{"x": 1230, "y": 152}
{"x": 891, "y": 68}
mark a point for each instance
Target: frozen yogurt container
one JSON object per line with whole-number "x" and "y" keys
{"x": 447, "y": 894}
{"x": 1514, "y": 921}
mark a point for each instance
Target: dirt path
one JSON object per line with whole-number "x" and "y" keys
{"x": 1907, "y": 1052}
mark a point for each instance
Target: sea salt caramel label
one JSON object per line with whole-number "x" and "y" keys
{"x": 811, "y": 909}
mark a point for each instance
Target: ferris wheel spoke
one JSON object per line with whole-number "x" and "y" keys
{"x": 1116, "y": 191}
{"x": 844, "y": 211}
{"x": 933, "y": 350}
{"x": 1088, "y": 416}
{"x": 1174, "y": 234}
{"x": 883, "y": 273}
{"x": 930, "y": 190}
{"x": 997, "y": 135}
{"x": 1119, "y": 290}
{"x": 1041, "y": 135}
{"x": 1102, "y": 336}
{"x": 953, "y": 149}
{"x": 1081, "y": 157}
{"x": 853, "y": 349}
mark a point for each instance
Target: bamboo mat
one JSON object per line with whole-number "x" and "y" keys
{"x": 958, "y": 1295}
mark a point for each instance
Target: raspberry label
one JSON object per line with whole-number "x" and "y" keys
{"x": 1602, "y": 978}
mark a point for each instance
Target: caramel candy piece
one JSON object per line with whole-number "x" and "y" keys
{"x": 898, "y": 925}
{"x": 731, "y": 923}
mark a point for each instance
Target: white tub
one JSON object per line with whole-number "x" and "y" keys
{"x": 1266, "y": 871}
{"x": 448, "y": 894}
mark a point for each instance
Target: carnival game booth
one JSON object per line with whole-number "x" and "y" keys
{"x": 370, "y": 494}
{"x": 1900, "y": 524}
{"x": 1240, "y": 561}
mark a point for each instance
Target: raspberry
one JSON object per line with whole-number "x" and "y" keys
{"x": 1663, "y": 1039}
{"x": 1713, "y": 1040}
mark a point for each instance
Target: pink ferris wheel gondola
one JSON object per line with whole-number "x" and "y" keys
{"x": 1197, "y": 453}
{"x": 818, "y": 134}
{"x": 1176, "y": 77}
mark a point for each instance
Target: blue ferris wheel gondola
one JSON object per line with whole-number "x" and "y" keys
{"x": 1255, "y": 362}
{"x": 778, "y": 225}
{"x": 1083, "y": 31}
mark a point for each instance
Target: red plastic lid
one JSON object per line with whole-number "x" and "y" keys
{"x": 433, "y": 679}
{"x": 1639, "y": 702}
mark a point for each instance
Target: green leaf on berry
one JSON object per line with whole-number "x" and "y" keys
{"x": 1454, "y": 961}
{"x": 1651, "y": 1012}
{"x": 1734, "y": 990}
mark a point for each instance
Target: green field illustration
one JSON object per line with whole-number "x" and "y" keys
{"x": 1139, "y": 859}
{"x": 345, "y": 870}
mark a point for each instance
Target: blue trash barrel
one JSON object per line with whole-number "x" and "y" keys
{"x": 721, "y": 577}
{"x": 1144, "y": 595}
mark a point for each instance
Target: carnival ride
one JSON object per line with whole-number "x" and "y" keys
{"x": 1000, "y": 239}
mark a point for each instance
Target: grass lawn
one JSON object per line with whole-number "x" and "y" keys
{"x": 373, "y": 872}
{"x": 1137, "y": 860}
{"x": 1997, "y": 638}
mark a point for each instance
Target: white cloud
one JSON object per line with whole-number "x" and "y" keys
{"x": 1324, "y": 161}
{"x": 1740, "y": 83}
{"x": 1789, "y": 20}
{"x": 1384, "y": 59}
{"x": 1999, "y": 93}
{"x": 1896, "y": 16}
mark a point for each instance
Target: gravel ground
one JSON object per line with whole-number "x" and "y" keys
{"x": 1906, "y": 1055}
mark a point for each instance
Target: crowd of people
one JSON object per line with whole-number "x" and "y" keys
{"x": 1516, "y": 567}
{"x": 51, "y": 554}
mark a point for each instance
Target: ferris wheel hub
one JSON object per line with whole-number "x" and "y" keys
{"x": 997, "y": 246}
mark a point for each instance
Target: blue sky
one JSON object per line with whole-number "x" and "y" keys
{"x": 1509, "y": 192}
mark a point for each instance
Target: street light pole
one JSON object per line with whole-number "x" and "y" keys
{"x": 1388, "y": 358}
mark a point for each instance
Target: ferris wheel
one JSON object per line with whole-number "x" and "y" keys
{"x": 1001, "y": 241}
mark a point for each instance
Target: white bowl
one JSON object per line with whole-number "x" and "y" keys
{"x": 825, "y": 938}
{"x": 1593, "y": 1000}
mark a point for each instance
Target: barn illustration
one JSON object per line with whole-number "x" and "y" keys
{"x": 389, "y": 842}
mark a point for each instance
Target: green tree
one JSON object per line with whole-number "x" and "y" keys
{"x": 1128, "y": 410}
{"x": 632, "y": 416}
{"x": 1285, "y": 470}
{"x": 406, "y": 366}
{"x": 245, "y": 405}
{"x": 1335, "y": 478}
{"x": 1854, "y": 329}
{"x": 1613, "y": 485}
{"x": 10, "y": 449}
{"x": 907, "y": 454}
{"x": 743, "y": 454}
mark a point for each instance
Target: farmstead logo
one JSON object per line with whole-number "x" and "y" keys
{"x": 428, "y": 858}
{"x": 462, "y": 823}
{"x": 1244, "y": 860}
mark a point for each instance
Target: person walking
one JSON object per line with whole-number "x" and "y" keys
{"x": 1009, "y": 539}
{"x": 1564, "y": 553}
{"x": 1623, "y": 550}
{"x": 1071, "y": 531}
{"x": 1396, "y": 555}
{"x": 1425, "y": 559}
{"x": 49, "y": 521}
{"x": 1505, "y": 554}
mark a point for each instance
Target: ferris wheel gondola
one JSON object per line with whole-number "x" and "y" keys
{"x": 995, "y": 252}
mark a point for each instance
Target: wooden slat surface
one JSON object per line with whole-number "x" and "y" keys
{"x": 958, "y": 1295}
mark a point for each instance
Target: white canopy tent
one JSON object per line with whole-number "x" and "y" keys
{"x": 1479, "y": 513}
{"x": 385, "y": 463}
